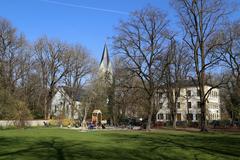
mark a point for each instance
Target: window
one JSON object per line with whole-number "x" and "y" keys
{"x": 188, "y": 93}
{"x": 160, "y": 105}
{"x": 189, "y": 105}
{"x": 160, "y": 116}
{"x": 190, "y": 116}
{"x": 198, "y": 104}
{"x": 198, "y": 117}
{"x": 179, "y": 118}
{"x": 178, "y": 105}
{"x": 198, "y": 92}
{"x": 178, "y": 94}
{"x": 168, "y": 116}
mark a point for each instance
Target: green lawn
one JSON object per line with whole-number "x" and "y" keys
{"x": 61, "y": 144}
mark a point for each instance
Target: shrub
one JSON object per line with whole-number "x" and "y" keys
{"x": 66, "y": 122}
{"x": 54, "y": 122}
{"x": 21, "y": 113}
{"x": 193, "y": 124}
{"x": 181, "y": 123}
{"x": 7, "y": 127}
{"x": 7, "y": 105}
{"x": 13, "y": 109}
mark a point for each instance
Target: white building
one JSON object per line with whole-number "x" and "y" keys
{"x": 189, "y": 105}
{"x": 66, "y": 103}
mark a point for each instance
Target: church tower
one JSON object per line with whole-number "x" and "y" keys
{"x": 106, "y": 82}
{"x": 105, "y": 68}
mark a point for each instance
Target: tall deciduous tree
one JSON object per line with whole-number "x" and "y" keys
{"x": 141, "y": 42}
{"x": 231, "y": 59}
{"x": 176, "y": 73}
{"x": 201, "y": 20}
{"x": 130, "y": 99}
{"x": 80, "y": 69}
{"x": 51, "y": 58}
{"x": 12, "y": 55}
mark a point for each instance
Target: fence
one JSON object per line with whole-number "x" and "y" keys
{"x": 30, "y": 123}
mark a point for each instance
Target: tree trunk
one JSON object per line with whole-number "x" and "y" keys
{"x": 45, "y": 108}
{"x": 174, "y": 121}
{"x": 49, "y": 103}
{"x": 73, "y": 108}
{"x": 84, "y": 124}
{"x": 203, "y": 117}
{"x": 150, "y": 113}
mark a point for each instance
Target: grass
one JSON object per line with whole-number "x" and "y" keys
{"x": 61, "y": 144}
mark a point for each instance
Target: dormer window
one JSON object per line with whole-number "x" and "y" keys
{"x": 189, "y": 93}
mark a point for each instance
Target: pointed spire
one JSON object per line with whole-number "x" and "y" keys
{"x": 105, "y": 57}
{"x": 105, "y": 64}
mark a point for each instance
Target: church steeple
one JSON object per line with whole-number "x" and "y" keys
{"x": 105, "y": 64}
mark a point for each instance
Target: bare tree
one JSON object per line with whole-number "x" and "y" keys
{"x": 176, "y": 73}
{"x": 231, "y": 59}
{"x": 231, "y": 50}
{"x": 80, "y": 68}
{"x": 130, "y": 99}
{"x": 141, "y": 42}
{"x": 51, "y": 56}
{"x": 201, "y": 20}
{"x": 12, "y": 55}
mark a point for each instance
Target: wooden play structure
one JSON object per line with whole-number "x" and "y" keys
{"x": 97, "y": 117}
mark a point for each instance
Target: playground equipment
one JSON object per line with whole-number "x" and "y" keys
{"x": 97, "y": 117}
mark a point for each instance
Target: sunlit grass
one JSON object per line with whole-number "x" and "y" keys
{"x": 62, "y": 144}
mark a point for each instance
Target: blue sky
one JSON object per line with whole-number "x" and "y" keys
{"x": 88, "y": 22}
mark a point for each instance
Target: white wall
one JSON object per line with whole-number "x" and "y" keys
{"x": 32, "y": 123}
{"x": 62, "y": 100}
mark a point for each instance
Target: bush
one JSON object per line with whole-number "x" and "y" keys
{"x": 220, "y": 123}
{"x": 67, "y": 122}
{"x": 7, "y": 105}
{"x": 13, "y": 109}
{"x": 193, "y": 124}
{"x": 54, "y": 122}
{"x": 181, "y": 123}
{"x": 21, "y": 113}
{"x": 158, "y": 124}
{"x": 7, "y": 127}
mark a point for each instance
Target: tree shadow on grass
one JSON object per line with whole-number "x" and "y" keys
{"x": 186, "y": 145}
{"x": 59, "y": 149}
{"x": 121, "y": 146}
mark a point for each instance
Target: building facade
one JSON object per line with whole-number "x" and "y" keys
{"x": 188, "y": 105}
{"x": 66, "y": 104}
